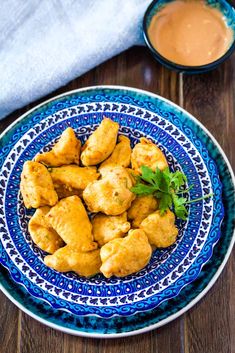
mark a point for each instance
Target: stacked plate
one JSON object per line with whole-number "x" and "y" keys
{"x": 176, "y": 277}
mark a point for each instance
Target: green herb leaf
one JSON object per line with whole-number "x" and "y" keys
{"x": 179, "y": 208}
{"x": 142, "y": 189}
{"x": 147, "y": 175}
{"x": 166, "y": 186}
{"x": 165, "y": 202}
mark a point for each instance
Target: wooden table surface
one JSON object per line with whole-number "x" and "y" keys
{"x": 209, "y": 327}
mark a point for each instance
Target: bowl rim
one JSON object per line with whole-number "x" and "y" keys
{"x": 172, "y": 64}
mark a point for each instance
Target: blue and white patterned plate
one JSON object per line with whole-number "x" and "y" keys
{"x": 170, "y": 270}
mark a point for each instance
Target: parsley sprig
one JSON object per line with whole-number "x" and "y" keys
{"x": 167, "y": 187}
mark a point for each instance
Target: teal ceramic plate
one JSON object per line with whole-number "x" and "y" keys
{"x": 176, "y": 278}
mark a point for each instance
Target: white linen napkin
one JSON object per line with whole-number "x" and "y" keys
{"x": 44, "y": 44}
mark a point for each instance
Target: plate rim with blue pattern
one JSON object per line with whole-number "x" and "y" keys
{"x": 139, "y": 97}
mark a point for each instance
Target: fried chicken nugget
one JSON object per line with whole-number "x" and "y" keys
{"x": 124, "y": 256}
{"x": 121, "y": 154}
{"x": 160, "y": 230}
{"x": 148, "y": 154}
{"x": 70, "y": 220}
{"x": 36, "y": 186}
{"x": 111, "y": 195}
{"x": 62, "y": 191}
{"x": 101, "y": 143}
{"x": 71, "y": 179}
{"x": 65, "y": 151}
{"x": 70, "y": 259}
{"x": 41, "y": 232}
{"x": 140, "y": 208}
{"x": 106, "y": 228}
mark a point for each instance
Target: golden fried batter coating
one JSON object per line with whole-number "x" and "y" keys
{"x": 65, "y": 230}
{"x": 140, "y": 208}
{"x": 65, "y": 151}
{"x": 36, "y": 186}
{"x": 160, "y": 230}
{"x": 123, "y": 256}
{"x": 70, "y": 259}
{"x": 148, "y": 154}
{"x": 62, "y": 191}
{"x": 133, "y": 174}
{"x": 106, "y": 228}
{"x": 101, "y": 143}
{"x": 70, "y": 220}
{"x": 71, "y": 179}
{"x": 121, "y": 154}
{"x": 41, "y": 232}
{"x": 110, "y": 195}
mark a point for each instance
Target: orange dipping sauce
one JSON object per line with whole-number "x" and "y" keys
{"x": 190, "y": 33}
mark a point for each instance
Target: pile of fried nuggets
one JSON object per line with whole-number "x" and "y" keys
{"x": 124, "y": 229}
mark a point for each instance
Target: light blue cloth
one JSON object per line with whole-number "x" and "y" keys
{"x": 46, "y": 43}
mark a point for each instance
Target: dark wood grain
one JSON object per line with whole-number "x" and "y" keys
{"x": 39, "y": 338}
{"x": 9, "y": 325}
{"x": 208, "y": 327}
